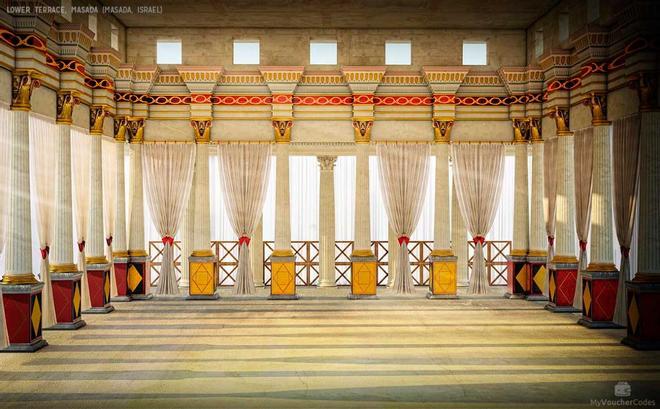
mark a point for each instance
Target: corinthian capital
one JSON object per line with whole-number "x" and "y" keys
{"x": 24, "y": 82}
{"x": 66, "y": 101}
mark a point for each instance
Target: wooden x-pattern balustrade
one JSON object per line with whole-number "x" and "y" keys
{"x": 495, "y": 254}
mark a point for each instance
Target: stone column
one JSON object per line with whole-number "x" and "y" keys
{"x": 188, "y": 234}
{"x": 327, "y": 221}
{"x": 64, "y": 274}
{"x": 443, "y": 280}
{"x": 537, "y": 256}
{"x": 459, "y": 240}
{"x": 120, "y": 250}
{"x": 517, "y": 268}
{"x": 20, "y": 287}
{"x": 563, "y": 267}
{"x": 643, "y": 292}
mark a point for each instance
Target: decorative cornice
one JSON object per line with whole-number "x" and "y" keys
{"x": 66, "y": 101}
{"x": 23, "y": 83}
{"x": 200, "y": 80}
{"x": 444, "y": 80}
{"x": 363, "y": 80}
{"x": 282, "y": 80}
{"x": 202, "y": 128}
{"x": 362, "y": 129}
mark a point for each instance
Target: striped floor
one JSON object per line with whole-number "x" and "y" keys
{"x": 325, "y": 351}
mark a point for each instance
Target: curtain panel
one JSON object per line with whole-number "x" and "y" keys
{"x": 80, "y": 168}
{"x": 625, "y": 174}
{"x": 109, "y": 160}
{"x": 244, "y": 173}
{"x": 550, "y": 192}
{"x": 5, "y": 131}
{"x": 168, "y": 173}
{"x": 478, "y": 175}
{"x": 404, "y": 170}
{"x": 583, "y": 166}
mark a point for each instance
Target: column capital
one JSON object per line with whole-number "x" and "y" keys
{"x": 560, "y": 115}
{"x": 362, "y": 129}
{"x": 597, "y": 103}
{"x": 121, "y": 126}
{"x": 136, "y": 129}
{"x": 97, "y": 114}
{"x": 442, "y": 129}
{"x": 535, "y": 130}
{"x": 282, "y": 127}
{"x": 646, "y": 84}
{"x": 521, "y": 130}
{"x": 202, "y": 128}
{"x": 326, "y": 163}
{"x": 66, "y": 101}
{"x": 23, "y": 83}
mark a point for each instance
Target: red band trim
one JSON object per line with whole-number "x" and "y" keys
{"x": 551, "y": 240}
{"x": 243, "y": 240}
{"x": 168, "y": 240}
{"x": 479, "y": 240}
{"x": 108, "y": 241}
{"x": 81, "y": 246}
{"x": 403, "y": 239}
{"x": 625, "y": 252}
{"x": 44, "y": 252}
{"x": 583, "y": 245}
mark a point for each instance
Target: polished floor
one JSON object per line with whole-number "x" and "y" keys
{"x": 325, "y": 351}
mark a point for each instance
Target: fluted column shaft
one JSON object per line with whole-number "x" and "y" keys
{"x": 648, "y": 262}
{"x": 602, "y": 252}
{"x": 441, "y": 223}
{"x": 61, "y": 250}
{"x": 327, "y": 221}
{"x": 520, "y": 242}
{"x": 282, "y": 201}
{"x": 458, "y": 240}
{"x": 95, "y": 236}
{"x": 18, "y": 262}
{"x": 119, "y": 239}
{"x": 202, "y": 229}
{"x": 188, "y": 230}
{"x": 362, "y": 205}
{"x": 136, "y": 230}
{"x": 565, "y": 235}
{"x": 257, "y": 252}
{"x": 538, "y": 241}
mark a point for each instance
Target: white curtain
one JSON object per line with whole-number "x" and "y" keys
{"x": 625, "y": 169}
{"x": 550, "y": 193}
{"x": 478, "y": 171}
{"x": 244, "y": 170}
{"x": 583, "y": 165}
{"x": 168, "y": 172}
{"x": 404, "y": 171}
{"x": 43, "y": 144}
{"x": 80, "y": 168}
{"x": 5, "y": 131}
{"x": 109, "y": 158}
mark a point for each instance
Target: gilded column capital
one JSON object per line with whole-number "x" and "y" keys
{"x": 521, "y": 130}
{"x": 202, "y": 128}
{"x": 121, "y": 126}
{"x": 326, "y": 163}
{"x": 136, "y": 129}
{"x": 362, "y": 129}
{"x": 442, "y": 129}
{"x": 646, "y": 84}
{"x": 66, "y": 101}
{"x": 597, "y": 103}
{"x": 282, "y": 128}
{"x": 535, "y": 135}
{"x": 560, "y": 115}
{"x": 23, "y": 83}
{"x": 97, "y": 114}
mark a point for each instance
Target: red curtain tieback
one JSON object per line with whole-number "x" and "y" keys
{"x": 168, "y": 240}
{"x": 108, "y": 241}
{"x": 243, "y": 240}
{"x": 479, "y": 240}
{"x": 81, "y": 246}
{"x": 551, "y": 240}
{"x": 403, "y": 239}
{"x": 44, "y": 252}
{"x": 583, "y": 245}
{"x": 625, "y": 252}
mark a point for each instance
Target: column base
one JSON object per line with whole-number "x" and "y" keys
{"x": 283, "y": 277}
{"x": 364, "y": 277}
{"x": 539, "y": 297}
{"x": 362, "y": 297}
{"x": 124, "y": 298}
{"x": 599, "y": 290}
{"x": 563, "y": 276}
{"x": 203, "y": 272}
{"x": 67, "y": 297}
{"x": 120, "y": 265}
{"x": 100, "y": 310}
{"x": 642, "y": 300}
{"x": 442, "y": 282}
{"x": 517, "y": 276}
{"x": 432, "y": 296}
{"x": 98, "y": 278}
{"x": 201, "y": 297}
{"x": 586, "y": 322}
{"x": 327, "y": 285}
{"x": 538, "y": 278}
{"x": 23, "y": 312}
{"x": 137, "y": 277}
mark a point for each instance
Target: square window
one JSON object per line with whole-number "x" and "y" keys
{"x": 475, "y": 53}
{"x": 563, "y": 27}
{"x": 92, "y": 24}
{"x": 323, "y": 52}
{"x": 168, "y": 52}
{"x": 114, "y": 37}
{"x": 398, "y": 53}
{"x": 246, "y": 52}
{"x": 538, "y": 43}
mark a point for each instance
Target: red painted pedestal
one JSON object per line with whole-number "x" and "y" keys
{"x": 121, "y": 279}
{"x": 98, "y": 277}
{"x": 517, "y": 277}
{"x": 138, "y": 278}
{"x": 538, "y": 278}
{"x": 22, "y": 304}
{"x": 643, "y": 300}
{"x": 563, "y": 277}
{"x": 67, "y": 297}
{"x": 599, "y": 299}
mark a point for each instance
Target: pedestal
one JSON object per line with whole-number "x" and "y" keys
{"x": 98, "y": 278}
{"x": 517, "y": 276}
{"x": 643, "y": 299}
{"x": 364, "y": 277}
{"x": 562, "y": 287}
{"x": 442, "y": 283}
{"x": 121, "y": 279}
{"x": 538, "y": 277}
{"x": 203, "y": 274}
{"x": 67, "y": 297}
{"x": 599, "y": 298}
{"x": 22, "y": 304}
{"x": 283, "y": 278}
{"x": 138, "y": 278}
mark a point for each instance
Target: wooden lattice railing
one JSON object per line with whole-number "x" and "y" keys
{"x": 307, "y": 261}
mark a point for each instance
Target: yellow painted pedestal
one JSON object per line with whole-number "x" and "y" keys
{"x": 364, "y": 277}
{"x": 283, "y": 278}
{"x": 203, "y": 277}
{"x": 442, "y": 283}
